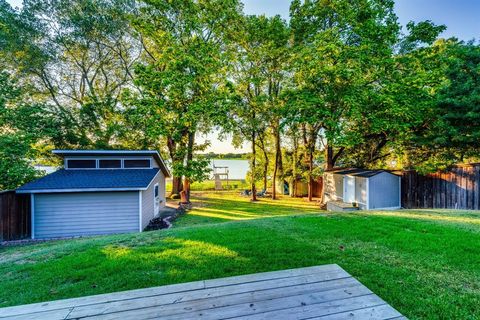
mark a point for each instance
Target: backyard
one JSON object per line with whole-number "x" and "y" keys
{"x": 424, "y": 262}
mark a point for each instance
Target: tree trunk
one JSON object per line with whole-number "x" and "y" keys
{"x": 278, "y": 169}
{"x": 310, "y": 173}
{"x": 176, "y": 180}
{"x": 294, "y": 165}
{"x": 331, "y": 157}
{"x": 265, "y": 170}
{"x": 187, "y": 180}
{"x": 176, "y": 185}
{"x": 185, "y": 193}
{"x": 261, "y": 144}
{"x": 252, "y": 169}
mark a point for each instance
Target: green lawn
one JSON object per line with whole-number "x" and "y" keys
{"x": 209, "y": 185}
{"x": 212, "y": 207}
{"x": 425, "y": 263}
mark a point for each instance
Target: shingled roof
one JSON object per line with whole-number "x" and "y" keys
{"x": 91, "y": 180}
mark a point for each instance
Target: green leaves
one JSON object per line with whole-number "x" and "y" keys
{"x": 17, "y": 134}
{"x": 455, "y": 134}
{"x": 182, "y": 77}
{"x": 156, "y": 73}
{"x": 15, "y": 157}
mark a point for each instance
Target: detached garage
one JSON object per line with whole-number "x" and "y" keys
{"x": 98, "y": 192}
{"x": 82, "y": 214}
{"x": 369, "y": 189}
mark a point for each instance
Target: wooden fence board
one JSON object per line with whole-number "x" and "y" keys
{"x": 14, "y": 216}
{"x": 476, "y": 188}
{"x": 458, "y": 188}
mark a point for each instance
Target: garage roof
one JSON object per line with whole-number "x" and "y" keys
{"x": 91, "y": 180}
{"x": 92, "y": 153}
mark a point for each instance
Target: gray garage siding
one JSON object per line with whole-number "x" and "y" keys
{"x": 384, "y": 191}
{"x": 81, "y": 214}
{"x": 148, "y": 199}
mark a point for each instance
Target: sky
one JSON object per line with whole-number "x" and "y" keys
{"x": 462, "y": 18}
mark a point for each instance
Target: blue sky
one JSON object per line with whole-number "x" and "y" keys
{"x": 462, "y": 18}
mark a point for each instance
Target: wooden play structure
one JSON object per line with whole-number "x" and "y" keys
{"x": 220, "y": 174}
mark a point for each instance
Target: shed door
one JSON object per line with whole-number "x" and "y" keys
{"x": 82, "y": 214}
{"x": 348, "y": 189}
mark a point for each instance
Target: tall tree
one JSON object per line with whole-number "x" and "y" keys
{"x": 182, "y": 79}
{"x": 260, "y": 73}
{"x": 22, "y": 124}
{"x": 401, "y": 102}
{"x": 78, "y": 55}
{"x": 459, "y": 101}
{"x": 343, "y": 48}
{"x": 451, "y": 133}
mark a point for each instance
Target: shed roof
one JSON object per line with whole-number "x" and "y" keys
{"x": 364, "y": 173}
{"x": 119, "y": 153}
{"x": 91, "y": 180}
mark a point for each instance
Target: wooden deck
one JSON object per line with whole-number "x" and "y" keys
{"x": 322, "y": 292}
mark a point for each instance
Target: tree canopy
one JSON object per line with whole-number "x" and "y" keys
{"x": 338, "y": 84}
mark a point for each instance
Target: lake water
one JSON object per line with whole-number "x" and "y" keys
{"x": 237, "y": 169}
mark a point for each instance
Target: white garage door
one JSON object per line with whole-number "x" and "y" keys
{"x": 81, "y": 214}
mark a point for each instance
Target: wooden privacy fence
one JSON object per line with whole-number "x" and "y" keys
{"x": 301, "y": 188}
{"x": 458, "y": 188}
{"x": 14, "y": 216}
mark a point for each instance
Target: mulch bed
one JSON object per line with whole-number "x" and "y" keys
{"x": 157, "y": 224}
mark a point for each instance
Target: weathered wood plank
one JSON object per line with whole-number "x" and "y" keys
{"x": 271, "y": 275}
{"x": 476, "y": 188}
{"x": 458, "y": 188}
{"x": 273, "y": 305}
{"x": 382, "y": 312}
{"x": 320, "y": 309}
{"x": 14, "y": 216}
{"x": 57, "y": 314}
{"x": 116, "y": 296}
{"x": 182, "y": 287}
{"x": 315, "y": 292}
{"x": 188, "y": 306}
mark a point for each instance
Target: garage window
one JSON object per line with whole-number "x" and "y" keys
{"x": 81, "y": 164}
{"x": 137, "y": 163}
{"x": 110, "y": 163}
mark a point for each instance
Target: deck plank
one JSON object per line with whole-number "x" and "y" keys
{"x": 382, "y": 312}
{"x": 156, "y": 291}
{"x": 264, "y": 306}
{"x": 318, "y": 309}
{"x": 320, "y": 292}
{"x": 225, "y": 303}
{"x": 234, "y": 293}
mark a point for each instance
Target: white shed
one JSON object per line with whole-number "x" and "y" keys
{"x": 370, "y": 189}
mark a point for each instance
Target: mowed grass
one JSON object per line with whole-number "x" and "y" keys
{"x": 425, "y": 263}
{"x": 209, "y": 185}
{"x": 213, "y": 207}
